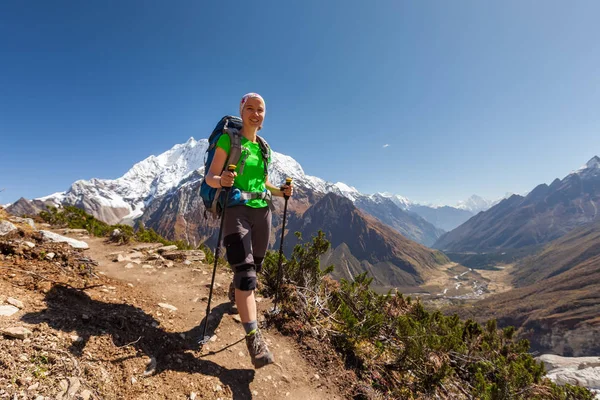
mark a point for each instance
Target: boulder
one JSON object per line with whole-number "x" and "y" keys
{"x": 6, "y": 227}
{"x": 54, "y": 237}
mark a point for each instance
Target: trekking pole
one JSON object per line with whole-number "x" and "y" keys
{"x": 288, "y": 182}
{"x": 205, "y": 339}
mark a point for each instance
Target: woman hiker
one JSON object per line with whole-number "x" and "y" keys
{"x": 247, "y": 227}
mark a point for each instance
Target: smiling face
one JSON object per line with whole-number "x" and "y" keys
{"x": 253, "y": 113}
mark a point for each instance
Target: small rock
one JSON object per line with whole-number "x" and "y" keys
{"x": 15, "y": 302}
{"x": 86, "y": 395}
{"x": 218, "y": 388}
{"x": 129, "y": 265}
{"x": 120, "y": 257}
{"x": 76, "y": 338}
{"x": 169, "y": 264}
{"x": 23, "y": 357}
{"x": 192, "y": 396}
{"x": 167, "y": 306}
{"x": 187, "y": 262}
{"x": 116, "y": 235}
{"x": 254, "y": 393}
{"x": 147, "y": 246}
{"x": 317, "y": 377}
{"x": 29, "y": 244}
{"x": 166, "y": 248}
{"x": 40, "y": 398}
{"x": 50, "y": 256}
{"x": 241, "y": 354}
{"x": 85, "y": 317}
{"x": 33, "y": 387}
{"x": 285, "y": 378}
{"x": 237, "y": 318}
{"x": 287, "y": 394}
{"x": 213, "y": 338}
{"x": 73, "y": 388}
{"x": 133, "y": 380}
{"x": 17, "y": 332}
{"x": 130, "y": 284}
{"x": 147, "y": 266}
{"x": 6, "y": 227}
{"x": 151, "y": 367}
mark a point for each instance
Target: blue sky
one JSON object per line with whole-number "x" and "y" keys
{"x": 470, "y": 96}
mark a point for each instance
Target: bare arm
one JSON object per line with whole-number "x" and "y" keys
{"x": 216, "y": 177}
{"x": 276, "y": 191}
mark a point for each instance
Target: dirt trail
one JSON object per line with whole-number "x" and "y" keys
{"x": 117, "y": 329}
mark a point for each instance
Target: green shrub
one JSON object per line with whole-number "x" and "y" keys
{"x": 75, "y": 218}
{"x": 396, "y": 346}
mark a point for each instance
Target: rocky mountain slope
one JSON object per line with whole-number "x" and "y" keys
{"x": 546, "y": 213}
{"x": 361, "y": 243}
{"x": 557, "y": 303}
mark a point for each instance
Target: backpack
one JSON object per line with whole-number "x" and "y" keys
{"x": 213, "y": 198}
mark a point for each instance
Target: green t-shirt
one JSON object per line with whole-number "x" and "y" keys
{"x": 252, "y": 177}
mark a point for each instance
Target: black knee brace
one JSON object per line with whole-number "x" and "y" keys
{"x": 234, "y": 248}
{"x": 244, "y": 277}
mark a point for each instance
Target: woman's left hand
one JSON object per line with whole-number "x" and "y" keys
{"x": 287, "y": 190}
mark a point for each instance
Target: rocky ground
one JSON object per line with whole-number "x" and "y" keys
{"x": 123, "y": 322}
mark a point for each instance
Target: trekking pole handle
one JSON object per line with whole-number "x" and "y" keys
{"x": 288, "y": 182}
{"x": 230, "y": 168}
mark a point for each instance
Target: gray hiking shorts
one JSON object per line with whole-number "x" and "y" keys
{"x": 246, "y": 233}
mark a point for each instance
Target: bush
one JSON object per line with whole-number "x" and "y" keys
{"x": 397, "y": 347}
{"x": 75, "y": 218}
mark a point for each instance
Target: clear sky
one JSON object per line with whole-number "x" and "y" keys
{"x": 470, "y": 97}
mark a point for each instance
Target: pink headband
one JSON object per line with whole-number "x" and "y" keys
{"x": 249, "y": 96}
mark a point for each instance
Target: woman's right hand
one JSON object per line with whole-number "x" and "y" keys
{"x": 227, "y": 178}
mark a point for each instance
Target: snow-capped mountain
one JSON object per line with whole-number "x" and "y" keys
{"x": 475, "y": 204}
{"x": 127, "y": 197}
{"x": 397, "y": 199}
{"x": 546, "y": 213}
{"x": 590, "y": 169}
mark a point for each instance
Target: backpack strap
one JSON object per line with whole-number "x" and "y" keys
{"x": 231, "y": 126}
{"x": 235, "y": 150}
{"x": 266, "y": 152}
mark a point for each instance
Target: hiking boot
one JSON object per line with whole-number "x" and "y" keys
{"x": 231, "y": 295}
{"x": 259, "y": 352}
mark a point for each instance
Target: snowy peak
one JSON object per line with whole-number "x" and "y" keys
{"x": 342, "y": 189}
{"x": 591, "y": 166}
{"x": 593, "y": 163}
{"x": 474, "y": 204}
{"x": 182, "y": 164}
{"x": 400, "y": 201}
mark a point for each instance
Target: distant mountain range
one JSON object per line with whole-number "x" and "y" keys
{"x": 546, "y": 213}
{"x": 376, "y": 232}
{"x": 361, "y": 243}
{"x": 159, "y": 178}
{"x": 557, "y": 302}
